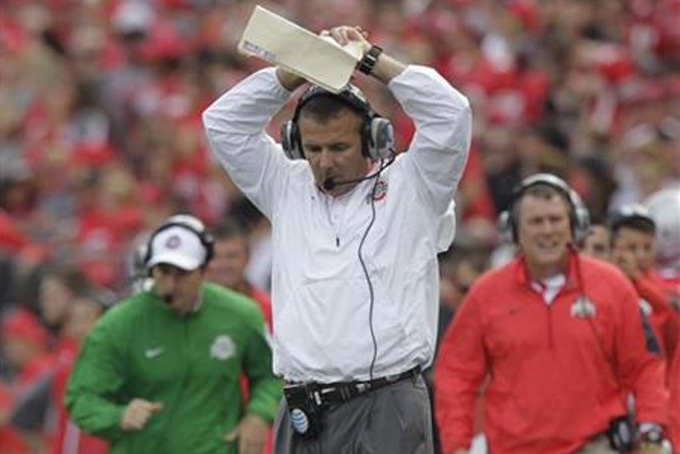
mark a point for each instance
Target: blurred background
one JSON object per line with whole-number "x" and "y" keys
{"x": 100, "y": 133}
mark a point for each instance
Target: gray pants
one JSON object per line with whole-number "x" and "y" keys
{"x": 393, "y": 419}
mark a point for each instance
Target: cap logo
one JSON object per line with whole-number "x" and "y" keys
{"x": 173, "y": 242}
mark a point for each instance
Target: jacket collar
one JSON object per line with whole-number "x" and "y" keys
{"x": 573, "y": 271}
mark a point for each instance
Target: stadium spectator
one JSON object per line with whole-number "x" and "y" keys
{"x": 57, "y": 289}
{"x": 634, "y": 252}
{"x": 25, "y": 350}
{"x": 596, "y": 242}
{"x": 67, "y": 437}
{"x": 228, "y": 266}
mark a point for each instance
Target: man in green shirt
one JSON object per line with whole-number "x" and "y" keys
{"x": 159, "y": 373}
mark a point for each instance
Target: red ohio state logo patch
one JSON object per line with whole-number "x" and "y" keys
{"x": 380, "y": 190}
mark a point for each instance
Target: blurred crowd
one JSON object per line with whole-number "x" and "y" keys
{"x": 100, "y": 134}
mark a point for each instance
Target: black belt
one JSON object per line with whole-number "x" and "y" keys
{"x": 334, "y": 393}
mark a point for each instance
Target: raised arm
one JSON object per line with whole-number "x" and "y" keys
{"x": 443, "y": 119}
{"x": 441, "y": 113}
{"x": 235, "y": 126}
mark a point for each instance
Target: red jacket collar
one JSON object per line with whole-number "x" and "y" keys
{"x": 573, "y": 271}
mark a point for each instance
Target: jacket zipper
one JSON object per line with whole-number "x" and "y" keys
{"x": 548, "y": 308}
{"x": 551, "y": 336}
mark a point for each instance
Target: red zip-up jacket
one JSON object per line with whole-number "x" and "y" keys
{"x": 556, "y": 378}
{"x": 651, "y": 290}
{"x": 674, "y": 380}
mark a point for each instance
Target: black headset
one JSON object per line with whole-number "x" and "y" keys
{"x": 377, "y": 133}
{"x": 187, "y": 222}
{"x": 579, "y": 217}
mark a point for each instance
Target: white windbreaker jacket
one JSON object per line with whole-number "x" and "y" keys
{"x": 321, "y": 298}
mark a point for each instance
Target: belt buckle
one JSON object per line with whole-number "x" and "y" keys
{"x": 345, "y": 391}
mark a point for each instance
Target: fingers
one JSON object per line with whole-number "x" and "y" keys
{"x": 138, "y": 412}
{"x": 344, "y": 34}
{"x": 232, "y": 436}
{"x": 155, "y": 406}
{"x": 246, "y": 446}
{"x": 251, "y": 434}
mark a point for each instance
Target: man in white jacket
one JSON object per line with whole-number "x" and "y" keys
{"x": 356, "y": 234}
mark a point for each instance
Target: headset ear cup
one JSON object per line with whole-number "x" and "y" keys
{"x": 505, "y": 227}
{"x": 209, "y": 243}
{"x": 513, "y": 226}
{"x": 381, "y": 139}
{"x": 290, "y": 140}
{"x": 580, "y": 216}
{"x": 147, "y": 254}
{"x": 582, "y": 223}
{"x": 149, "y": 250}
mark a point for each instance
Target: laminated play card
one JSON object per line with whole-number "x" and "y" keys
{"x": 318, "y": 59}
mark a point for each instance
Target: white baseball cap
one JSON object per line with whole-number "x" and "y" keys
{"x": 178, "y": 246}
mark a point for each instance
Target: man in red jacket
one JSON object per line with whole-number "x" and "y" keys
{"x": 674, "y": 380}
{"x": 664, "y": 207}
{"x": 634, "y": 251}
{"x": 559, "y": 337}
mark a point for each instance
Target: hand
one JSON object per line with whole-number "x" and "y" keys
{"x": 650, "y": 449}
{"x": 137, "y": 413}
{"x": 288, "y": 80}
{"x": 387, "y": 67}
{"x": 251, "y": 433}
{"x": 344, "y": 34}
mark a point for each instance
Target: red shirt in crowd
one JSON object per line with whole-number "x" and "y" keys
{"x": 67, "y": 437}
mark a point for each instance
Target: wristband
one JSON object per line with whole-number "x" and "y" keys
{"x": 367, "y": 63}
